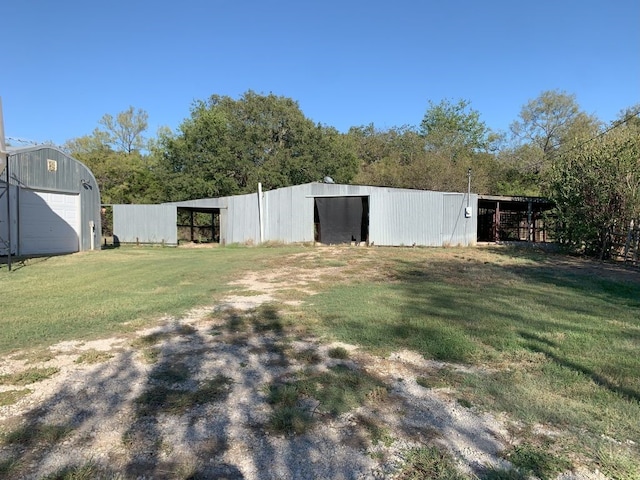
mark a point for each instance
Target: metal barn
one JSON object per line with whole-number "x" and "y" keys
{"x": 49, "y": 204}
{"x": 318, "y": 212}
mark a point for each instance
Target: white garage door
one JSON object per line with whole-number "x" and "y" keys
{"x": 49, "y": 222}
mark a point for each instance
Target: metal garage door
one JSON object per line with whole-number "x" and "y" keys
{"x": 48, "y": 223}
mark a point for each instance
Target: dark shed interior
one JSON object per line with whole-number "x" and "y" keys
{"x": 526, "y": 219}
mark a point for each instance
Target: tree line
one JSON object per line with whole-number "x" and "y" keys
{"x": 591, "y": 170}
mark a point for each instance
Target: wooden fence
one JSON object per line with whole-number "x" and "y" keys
{"x": 625, "y": 244}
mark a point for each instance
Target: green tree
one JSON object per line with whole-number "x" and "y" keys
{"x": 595, "y": 183}
{"x": 124, "y": 174}
{"x": 124, "y": 132}
{"x": 227, "y": 146}
{"x": 399, "y": 157}
{"x": 454, "y": 128}
{"x": 548, "y": 122}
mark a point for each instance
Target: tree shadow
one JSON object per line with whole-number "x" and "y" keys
{"x": 182, "y": 401}
{"x": 540, "y": 345}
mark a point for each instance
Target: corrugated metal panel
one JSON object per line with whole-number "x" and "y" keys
{"x": 243, "y": 224}
{"x": 405, "y": 217}
{"x": 289, "y": 215}
{"x": 456, "y": 228}
{"x": 396, "y": 216}
{"x": 45, "y": 169}
{"x": 145, "y": 224}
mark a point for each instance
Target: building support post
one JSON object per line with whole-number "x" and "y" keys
{"x": 260, "y": 212}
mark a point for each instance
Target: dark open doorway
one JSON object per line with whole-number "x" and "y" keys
{"x": 199, "y": 225}
{"x": 341, "y": 219}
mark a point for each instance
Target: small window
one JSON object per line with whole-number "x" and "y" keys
{"x": 52, "y": 165}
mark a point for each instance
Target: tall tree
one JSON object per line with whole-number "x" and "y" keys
{"x": 124, "y": 174}
{"x": 549, "y": 121}
{"x": 455, "y": 127}
{"x": 126, "y": 129}
{"x": 228, "y": 146}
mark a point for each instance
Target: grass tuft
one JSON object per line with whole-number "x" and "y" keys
{"x": 337, "y": 390}
{"x": 309, "y": 356}
{"x": 377, "y": 432}
{"x": 339, "y": 353}
{"x": 289, "y": 419}
{"x": 8, "y": 467}
{"x": 89, "y": 471}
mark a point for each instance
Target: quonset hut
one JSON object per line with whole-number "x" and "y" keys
{"x": 49, "y": 204}
{"x": 314, "y": 212}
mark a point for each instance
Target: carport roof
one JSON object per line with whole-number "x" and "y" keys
{"x": 202, "y": 203}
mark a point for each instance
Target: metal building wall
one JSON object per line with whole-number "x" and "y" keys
{"x": 405, "y": 217}
{"x": 397, "y": 216}
{"x": 29, "y": 169}
{"x": 456, "y": 228}
{"x": 241, "y": 224}
{"x": 289, "y": 214}
{"x": 145, "y": 224}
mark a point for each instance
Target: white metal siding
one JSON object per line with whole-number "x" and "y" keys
{"x": 243, "y": 225}
{"x": 145, "y": 224}
{"x": 48, "y": 223}
{"x": 405, "y": 217}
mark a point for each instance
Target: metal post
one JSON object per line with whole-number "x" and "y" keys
{"x": 260, "y": 212}
{"x": 8, "y": 214}
{"x": 468, "y": 187}
{"x": 4, "y": 165}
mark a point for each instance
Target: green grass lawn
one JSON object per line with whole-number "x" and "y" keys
{"x": 91, "y": 294}
{"x": 556, "y": 340}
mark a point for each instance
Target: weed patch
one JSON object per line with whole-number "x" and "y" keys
{"x": 10, "y": 397}
{"x": 377, "y": 432}
{"x": 309, "y": 356}
{"x": 177, "y": 400}
{"x": 537, "y": 460}
{"x": 92, "y": 357}
{"x": 36, "y": 434}
{"x": 8, "y": 467}
{"x": 431, "y": 463}
{"x": 151, "y": 340}
{"x": 337, "y": 390}
{"x": 29, "y": 376}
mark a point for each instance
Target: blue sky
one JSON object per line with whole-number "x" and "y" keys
{"x": 347, "y": 63}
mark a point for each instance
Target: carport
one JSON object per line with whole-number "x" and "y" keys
{"x": 502, "y": 218}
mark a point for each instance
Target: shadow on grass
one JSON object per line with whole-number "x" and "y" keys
{"x": 543, "y": 346}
